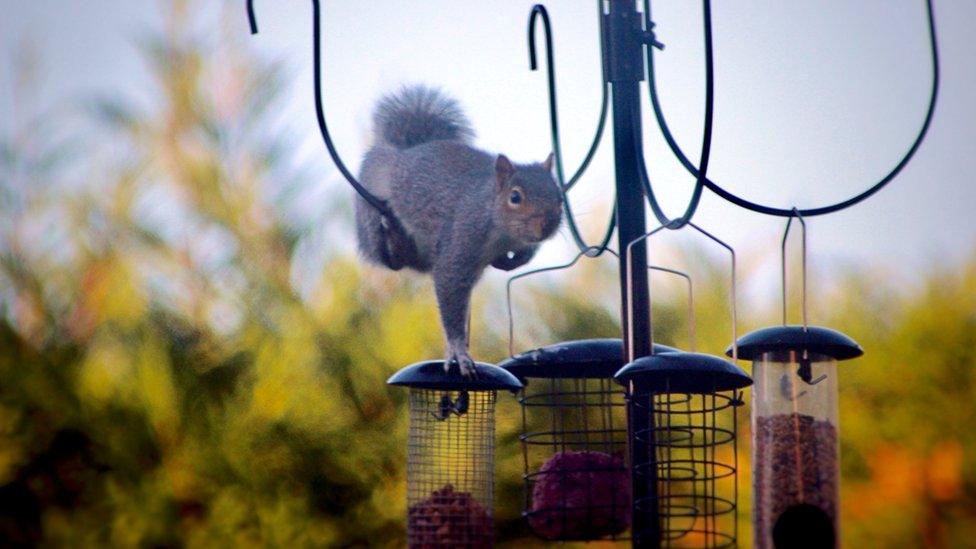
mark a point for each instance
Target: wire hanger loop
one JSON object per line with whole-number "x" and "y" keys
{"x": 803, "y": 265}
{"x": 594, "y": 252}
{"x": 732, "y": 294}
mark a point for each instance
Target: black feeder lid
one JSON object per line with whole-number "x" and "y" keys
{"x": 430, "y": 374}
{"x": 814, "y": 339}
{"x": 683, "y": 373}
{"x": 580, "y": 359}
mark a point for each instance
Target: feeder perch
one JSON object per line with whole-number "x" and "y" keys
{"x": 451, "y": 453}
{"x": 689, "y": 468}
{"x": 794, "y": 430}
{"x": 574, "y": 440}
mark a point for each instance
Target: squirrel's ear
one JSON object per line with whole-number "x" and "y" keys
{"x": 503, "y": 169}
{"x": 547, "y": 163}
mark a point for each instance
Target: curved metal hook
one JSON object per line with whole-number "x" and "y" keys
{"x": 662, "y": 218}
{"x": 803, "y": 265}
{"x": 629, "y": 263}
{"x": 808, "y": 212}
{"x": 701, "y": 176}
{"x": 732, "y": 300}
{"x": 250, "y": 17}
{"x": 803, "y": 371}
{"x": 539, "y": 12}
{"x": 369, "y": 197}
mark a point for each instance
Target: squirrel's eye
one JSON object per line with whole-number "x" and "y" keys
{"x": 515, "y": 197}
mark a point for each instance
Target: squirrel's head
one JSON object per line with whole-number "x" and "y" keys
{"x": 528, "y": 199}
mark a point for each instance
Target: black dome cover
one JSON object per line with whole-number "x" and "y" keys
{"x": 814, "y": 339}
{"x": 585, "y": 358}
{"x": 431, "y": 375}
{"x": 684, "y": 373}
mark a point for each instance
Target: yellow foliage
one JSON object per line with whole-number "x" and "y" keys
{"x": 106, "y": 371}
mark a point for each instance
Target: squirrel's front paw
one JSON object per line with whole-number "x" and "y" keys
{"x": 464, "y": 362}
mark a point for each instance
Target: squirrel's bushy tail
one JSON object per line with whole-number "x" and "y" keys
{"x": 418, "y": 114}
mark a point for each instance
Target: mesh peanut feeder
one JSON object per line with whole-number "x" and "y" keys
{"x": 451, "y": 454}
{"x": 574, "y": 440}
{"x": 574, "y": 430}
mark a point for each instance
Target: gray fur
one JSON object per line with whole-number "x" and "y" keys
{"x": 417, "y": 115}
{"x": 453, "y": 208}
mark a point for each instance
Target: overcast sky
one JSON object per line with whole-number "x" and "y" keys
{"x": 815, "y": 100}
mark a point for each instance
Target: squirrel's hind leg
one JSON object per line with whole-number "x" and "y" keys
{"x": 383, "y": 240}
{"x": 397, "y": 247}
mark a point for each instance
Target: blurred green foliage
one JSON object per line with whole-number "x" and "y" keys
{"x": 175, "y": 371}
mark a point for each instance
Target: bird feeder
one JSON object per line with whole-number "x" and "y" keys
{"x": 691, "y": 452}
{"x": 451, "y": 453}
{"x": 794, "y": 432}
{"x": 574, "y": 440}
{"x": 574, "y": 429}
{"x": 682, "y": 415}
{"x": 794, "y": 428}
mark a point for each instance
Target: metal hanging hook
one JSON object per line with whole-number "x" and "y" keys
{"x": 732, "y": 290}
{"x": 538, "y": 13}
{"x": 250, "y": 17}
{"x": 701, "y": 175}
{"x": 803, "y": 265}
{"x": 369, "y": 197}
{"x": 732, "y": 299}
{"x": 692, "y": 336}
{"x": 809, "y": 212}
{"x": 508, "y": 290}
{"x": 804, "y": 371}
{"x": 629, "y": 267}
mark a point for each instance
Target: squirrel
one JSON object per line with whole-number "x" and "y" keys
{"x": 459, "y": 209}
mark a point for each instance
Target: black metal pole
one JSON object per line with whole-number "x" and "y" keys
{"x": 625, "y": 70}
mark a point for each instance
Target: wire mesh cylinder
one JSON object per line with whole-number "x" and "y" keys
{"x": 685, "y": 459}
{"x": 693, "y": 446}
{"x": 451, "y": 452}
{"x": 574, "y": 440}
{"x": 450, "y": 468}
